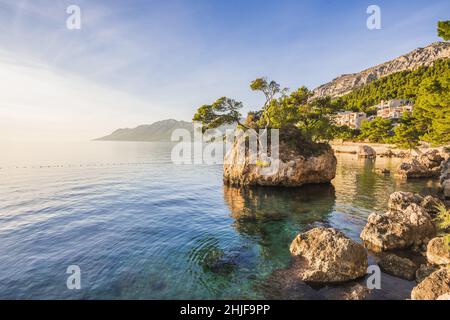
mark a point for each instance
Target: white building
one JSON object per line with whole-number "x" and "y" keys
{"x": 350, "y": 119}
{"x": 393, "y": 109}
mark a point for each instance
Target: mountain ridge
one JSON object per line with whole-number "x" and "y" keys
{"x": 346, "y": 83}
{"x": 341, "y": 85}
{"x": 157, "y": 131}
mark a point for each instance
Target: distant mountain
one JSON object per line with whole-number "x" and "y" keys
{"x": 158, "y": 131}
{"x": 410, "y": 61}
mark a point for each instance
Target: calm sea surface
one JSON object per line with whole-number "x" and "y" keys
{"x": 141, "y": 227}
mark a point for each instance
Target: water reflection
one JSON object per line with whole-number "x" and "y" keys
{"x": 273, "y": 216}
{"x": 359, "y": 186}
{"x": 272, "y": 203}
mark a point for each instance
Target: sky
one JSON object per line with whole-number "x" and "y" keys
{"x": 135, "y": 62}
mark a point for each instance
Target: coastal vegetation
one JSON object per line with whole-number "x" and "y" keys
{"x": 427, "y": 87}
{"x": 444, "y": 30}
{"x": 280, "y": 110}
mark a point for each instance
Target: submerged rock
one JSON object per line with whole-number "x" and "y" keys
{"x": 299, "y": 163}
{"x": 366, "y": 152}
{"x": 426, "y": 165}
{"x": 433, "y": 286}
{"x": 438, "y": 252}
{"x": 330, "y": 256}
{"x": 397, "y": 266}
{"x": 398, "y": 229}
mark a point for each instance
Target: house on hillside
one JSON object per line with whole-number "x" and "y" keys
{"x": 393, "y": 109}
{"x": 350, "y": 119}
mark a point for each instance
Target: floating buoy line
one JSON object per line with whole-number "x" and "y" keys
{"x": 89, "y": 165}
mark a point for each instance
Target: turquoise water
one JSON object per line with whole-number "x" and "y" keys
{"x": 141, "y": 227}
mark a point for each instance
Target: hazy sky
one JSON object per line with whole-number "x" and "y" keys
{"x": 136, "y": 62}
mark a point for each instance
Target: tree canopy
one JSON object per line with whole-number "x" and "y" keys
{"x": 444, "y": 29}
{"x": 377, "y": 130}
{"x": 223, "y": 111}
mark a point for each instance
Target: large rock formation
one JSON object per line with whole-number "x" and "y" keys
{"x": 438, "y": 252}
{"x": 330, "y": 256}
{"x": 417, "y": 58}
{"x": 426, "y": 165}
{"x": 433, "y": 286}
{"x": 299, "y": 163}
{"x": 398, "y": 229}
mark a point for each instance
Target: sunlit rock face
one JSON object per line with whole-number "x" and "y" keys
{"x": 329, "y": 256}
{"x": 296, "y": 165}
{"x": 434, "y": 286}
{"x": 438, "y": 251}
{"x": 400, "y": 229}
{"x": 400, "y": 200}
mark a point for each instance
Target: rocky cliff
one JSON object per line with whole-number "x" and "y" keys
{"x": 410, "y": 61}
{"x": 297, "y": 165}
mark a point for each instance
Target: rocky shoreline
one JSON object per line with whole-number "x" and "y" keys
{"x": 380, "y": 150}
{"x": 405, "y": 242}
{"x": 338, "y": 265}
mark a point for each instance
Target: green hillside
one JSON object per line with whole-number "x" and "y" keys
{"x": 400, "y": 85}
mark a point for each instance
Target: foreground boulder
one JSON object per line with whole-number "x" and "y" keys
{"x": 330, "y": 256}
{"x": 426, "y": 165}
{"x": 397, "y": 266}
{"x": 300, "y": 162}
{"x": 366, "y": 152}
{"x": 398, "y": 229}
{"x": 433, "y": 286}
{"x": 438, "y": 252}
